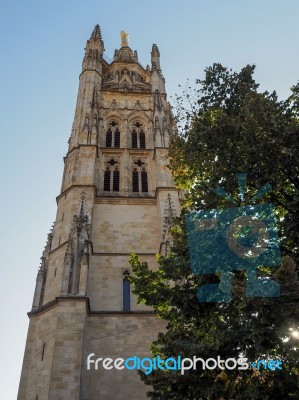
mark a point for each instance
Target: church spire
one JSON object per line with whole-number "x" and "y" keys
{"x": 94, "y": 50}
{"x": 96, "y": 33}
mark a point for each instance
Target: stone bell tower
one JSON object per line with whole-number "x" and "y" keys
{"x": 116, "y": 196}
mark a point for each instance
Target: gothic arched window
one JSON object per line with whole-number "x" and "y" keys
{"x": 138, "y": 136}
{"x": 111, "y": 176}
{"x": 139, "y": 177}
{"x": 126, "y": 291}
{"x": 113, "y": 135}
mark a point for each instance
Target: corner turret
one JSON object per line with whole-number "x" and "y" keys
{"x": 94, "y": 50}
{"x": 155, "y": 57}
{"x": 157, "y": 78}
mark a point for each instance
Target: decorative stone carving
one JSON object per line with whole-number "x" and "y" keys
{"x": 157, "y": 123}
{"x": 138, "y": 105}
{"x": 87, "y": 153}
{"x": 113, "y": 104}
{"x": 124, "y": 39}
{"x": 42, "y": 274}
{"x": 125, "y": 88}
{"x": 158, "y": 101}
{"x": 138, "y": 114}
{"x": 164, "y": 123}
{"x": 139, "y": 163}
{"x": 94, "y": 104}
{"x": 111, "y": 160}
{"x": 86, "y": 123}
{"x": 78, "y": 243}
{"x": 84, "y": 269}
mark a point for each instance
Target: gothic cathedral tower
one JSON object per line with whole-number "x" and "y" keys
{"x": 116, "y": 195}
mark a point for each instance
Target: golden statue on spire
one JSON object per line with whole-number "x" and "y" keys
{"x": 124, "y": 39}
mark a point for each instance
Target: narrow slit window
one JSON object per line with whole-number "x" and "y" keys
{"x": 43, "y": 351}
{"x": 126, "y": 294}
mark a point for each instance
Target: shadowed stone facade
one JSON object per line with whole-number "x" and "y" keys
{"x": 116, "y": 196}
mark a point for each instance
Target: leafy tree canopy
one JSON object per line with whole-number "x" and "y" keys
{"x": 227, "y": 127}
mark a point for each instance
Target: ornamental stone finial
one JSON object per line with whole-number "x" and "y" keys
{"x": 124, "y": 39}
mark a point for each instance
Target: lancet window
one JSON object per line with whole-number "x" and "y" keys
{"x": 138, "y": 136}
{"x": 111, "y": 175}
{"x": 139, "y": 176}
{"x": 113, "y": 134}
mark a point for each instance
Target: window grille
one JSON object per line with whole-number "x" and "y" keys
{"x": 117, "y": 138}
{"x": 134, "y": 140}
{"x": 109, "y": 138}
{"x": 116, "y": 180}
{"x": 144, "y": 186}
{"x": 135, "y": 183}
{"x": 107, "y": 180}
{"x": 142, "y": 139}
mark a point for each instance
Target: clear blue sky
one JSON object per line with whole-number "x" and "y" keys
{"x": 42, "y": 46}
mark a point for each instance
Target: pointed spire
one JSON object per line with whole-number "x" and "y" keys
{"x": 155, "y": 57}
{"x": 81, "y": 214}
{"x": 97, "y": 36}
{"x": 96, "y": 33}
{"x": 155, "y": 50}
{"x": 94, "y": 50}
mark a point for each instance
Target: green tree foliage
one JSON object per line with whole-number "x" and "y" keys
{"x": 228, "y": 127}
